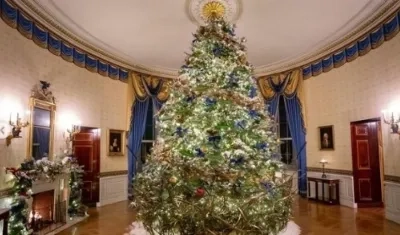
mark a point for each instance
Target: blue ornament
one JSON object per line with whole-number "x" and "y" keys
{"x": 190, "y": 99}
{"x": 237, "y": 161}
{"x": 215, "y": 139}
{"x": 253, "y": 114}
{"x": 217, "y": 50}
{"x": 233, "y": 80}
{"x": 276, "y": 156}
{"x": 184, "y": 67}
{"x": 253, "y": 92}
{"x": 180, "y": 131}
{"x": 199, "y": 152}
{"x": 240, "y": 124}
{"x": 210, "y": 101}
{"x": 261, "y": 146}
{"x": 268, "y": 186}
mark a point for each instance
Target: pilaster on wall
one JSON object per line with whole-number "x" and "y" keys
{"x": 392, "y": 201}
{"x": 113, "y": 187}
{"x": 346, "y": 187}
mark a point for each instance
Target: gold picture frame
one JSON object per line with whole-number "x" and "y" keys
{"x": 116, "y": 142}
{"x": 326, "y": 138}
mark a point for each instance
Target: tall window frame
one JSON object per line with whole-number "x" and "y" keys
{"x": 287, "y": 151}
{"x": 149, "y": 136}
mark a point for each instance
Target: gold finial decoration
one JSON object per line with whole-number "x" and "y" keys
{"x": 213, "y": 9}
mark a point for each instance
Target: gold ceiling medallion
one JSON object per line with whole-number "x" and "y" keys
{"x": 200, "y": 11}
{"x": 213, "y": 10}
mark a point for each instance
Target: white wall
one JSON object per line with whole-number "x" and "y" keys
{"x": 358, "y": 90}
{"x": 96, "y": 100}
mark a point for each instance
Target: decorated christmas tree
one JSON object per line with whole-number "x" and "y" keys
{"x": 215, "y": 168}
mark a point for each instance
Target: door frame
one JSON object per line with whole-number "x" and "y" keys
{"x": 380, "y": 156}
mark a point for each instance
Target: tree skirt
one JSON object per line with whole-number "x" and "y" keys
{"x": 138, "y": 229}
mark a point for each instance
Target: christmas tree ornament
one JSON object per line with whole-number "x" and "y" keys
{"x": 200, "y": 192}
{"x": 173, "y": 180}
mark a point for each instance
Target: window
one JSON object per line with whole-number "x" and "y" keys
{"x": 148, "y": 137}
{"x": 287, "y": 152}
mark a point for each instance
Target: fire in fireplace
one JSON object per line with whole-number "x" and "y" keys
{"x": 42, "y": 211}
{"x": 46, "y": 214}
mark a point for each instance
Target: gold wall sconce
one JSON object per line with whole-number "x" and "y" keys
{"x": 392, "y": 121}
{"x": 16, "y": 130}
{"x": 70, "y": 133}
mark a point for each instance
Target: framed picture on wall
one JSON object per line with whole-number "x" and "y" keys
{"x": 116, "y": 142}
{"x": 326, "y": 138}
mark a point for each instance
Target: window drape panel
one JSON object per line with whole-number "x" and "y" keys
{"x": 293, "y": 114}
{"x": 144, "y": 89}
{"x": 288, "y": 86}
{"x": 273, "y": 105}
{"x": 138, "y": 123}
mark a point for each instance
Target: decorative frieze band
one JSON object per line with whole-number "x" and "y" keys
{"x": 43, "y": 37}
{"x": 383, "y": 27}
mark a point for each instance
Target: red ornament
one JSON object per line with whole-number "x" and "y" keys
{"x": 200, "y": 192}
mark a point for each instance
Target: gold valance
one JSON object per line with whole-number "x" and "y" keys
{"x": 286, "y": 84}
{"x": 142, "y": 86}
{"x": 146, "y": 85}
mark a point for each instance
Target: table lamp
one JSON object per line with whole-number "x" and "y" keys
{"x": 323, "y": 162}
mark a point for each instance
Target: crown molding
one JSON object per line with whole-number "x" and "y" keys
{"x": 372, "y": 22}
{"x": 32, "y": 9}
{"x": 36, "y": 13}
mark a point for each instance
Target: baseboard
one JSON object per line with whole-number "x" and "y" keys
{"x": 113, "y": 189}
{"x": 348, "y": 203}
{"x": 392, "y": 201}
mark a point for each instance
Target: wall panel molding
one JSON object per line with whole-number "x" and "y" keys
{"x": 113, "y": 189}
{"x": 346, "y": 187}
{"x": 392, "y": 201}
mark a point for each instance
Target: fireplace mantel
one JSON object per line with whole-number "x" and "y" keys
{"x": 61, "y": 192}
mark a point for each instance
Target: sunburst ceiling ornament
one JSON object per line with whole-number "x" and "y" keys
{"x": 199, "y": 11}
{"x": 213, "y": 9}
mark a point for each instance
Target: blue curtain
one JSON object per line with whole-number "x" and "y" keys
{"x": 273, "y": 105}
{"x": 137, "y": 128}
{"x": 295, "y": 120}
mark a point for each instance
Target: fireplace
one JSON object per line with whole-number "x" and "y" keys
{"x": 47, "y": 212}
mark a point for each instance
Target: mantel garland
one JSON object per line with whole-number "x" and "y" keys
{"x": 30, "y": 171}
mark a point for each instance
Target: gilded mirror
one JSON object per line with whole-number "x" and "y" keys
{"x": 41, "y": 134}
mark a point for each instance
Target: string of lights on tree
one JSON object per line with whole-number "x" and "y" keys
{"x": 215, "y": 168}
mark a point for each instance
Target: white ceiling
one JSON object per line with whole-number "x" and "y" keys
{"x": 156, "y": 33}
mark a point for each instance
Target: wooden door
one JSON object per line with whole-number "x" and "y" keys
{"x": 86, "y": 146}
{"x": 366, "y": 163}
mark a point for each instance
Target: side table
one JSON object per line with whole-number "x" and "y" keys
{"x": 332, "y": 192}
